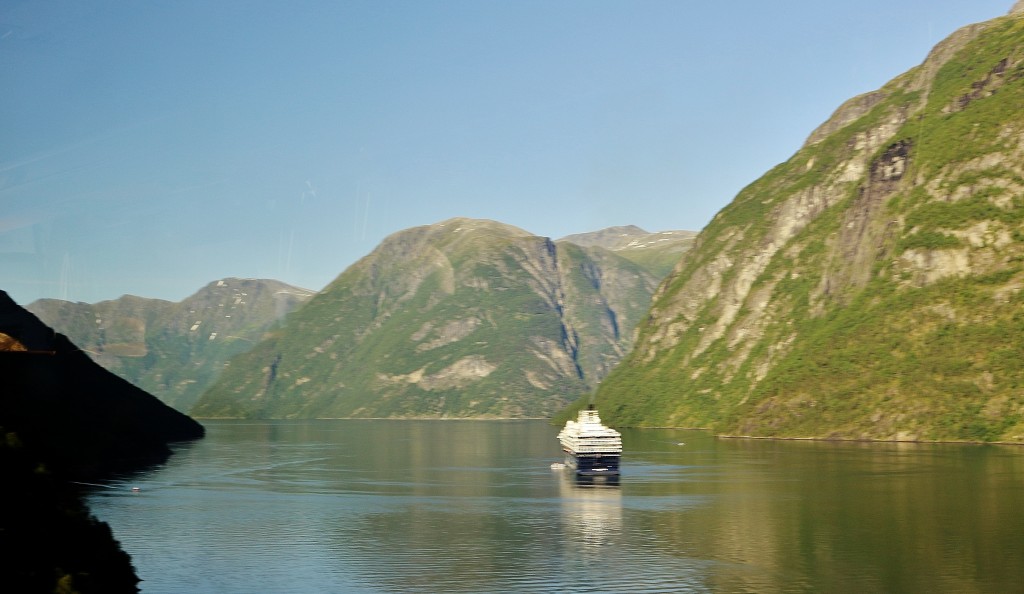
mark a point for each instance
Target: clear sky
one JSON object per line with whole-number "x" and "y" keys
{"x": 151, "y": 146}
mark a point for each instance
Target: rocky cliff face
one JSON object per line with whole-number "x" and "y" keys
{"x": 465, "y": 318}
{"x": 174, "y": 350}
{"x": 869, "y": 287}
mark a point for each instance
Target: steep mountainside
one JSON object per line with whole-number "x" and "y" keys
{"x": 465, "y": 318}
{"x": 657, "y": 252}
{"x": 870, "y": 286}
{"x": 174, "y": 350}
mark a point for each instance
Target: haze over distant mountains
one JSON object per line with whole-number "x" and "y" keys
{"x": 464, "y": 318}
{"x": 177, "y": 350}
{"x": 658, "y": 252}
{"x": 870, "y": 287}
{"x": 174, "y": 350}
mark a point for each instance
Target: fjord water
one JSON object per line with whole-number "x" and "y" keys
{"x": 473, "y": 506}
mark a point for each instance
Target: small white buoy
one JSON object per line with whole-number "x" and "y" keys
{"x": 135, "y": 489}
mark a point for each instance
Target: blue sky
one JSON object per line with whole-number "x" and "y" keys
{"x": 149, "y": 147}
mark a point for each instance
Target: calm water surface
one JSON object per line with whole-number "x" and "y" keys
{"x": 473, "y": 506}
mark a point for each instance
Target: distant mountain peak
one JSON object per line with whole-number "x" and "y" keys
{"x": 625, "y": 237}
{"x": 470, "y": 222}
{"x": 146, "y": 340}
{"x": 658, "y": 252}
{"x": 461, "y": 318}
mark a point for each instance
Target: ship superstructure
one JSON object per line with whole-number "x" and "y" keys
{"x": 590, "y": 447}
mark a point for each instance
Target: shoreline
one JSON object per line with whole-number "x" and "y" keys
{"x": 716, "y": 435}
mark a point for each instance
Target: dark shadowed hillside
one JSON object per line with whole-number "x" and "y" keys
{"x": 72, "y": 410}
{"x": 64, "y": 417}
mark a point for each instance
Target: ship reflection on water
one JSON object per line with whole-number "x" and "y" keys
{"x": 609, "y": 481}
{"x": 591, "y": 509}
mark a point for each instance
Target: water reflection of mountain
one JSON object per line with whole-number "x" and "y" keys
{"x": 817, "y": 516}
{"x": 591, "y": 510}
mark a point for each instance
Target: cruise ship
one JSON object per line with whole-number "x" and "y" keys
{"x": 590, "y": 447}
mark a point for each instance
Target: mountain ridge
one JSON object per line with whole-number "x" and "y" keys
{"x": 844, "y": 294}
{"x": 462, "y": 318}
{"x": 658, "y": 252}
{"x": 174, "y": 350}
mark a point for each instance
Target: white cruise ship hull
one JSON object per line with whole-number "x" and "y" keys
{"x": 592, "y": 466}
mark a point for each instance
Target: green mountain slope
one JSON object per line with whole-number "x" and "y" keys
{"x": 465, "y": 318}
{"x": 174, "y": 350}
{"x": 870, "y": 286}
